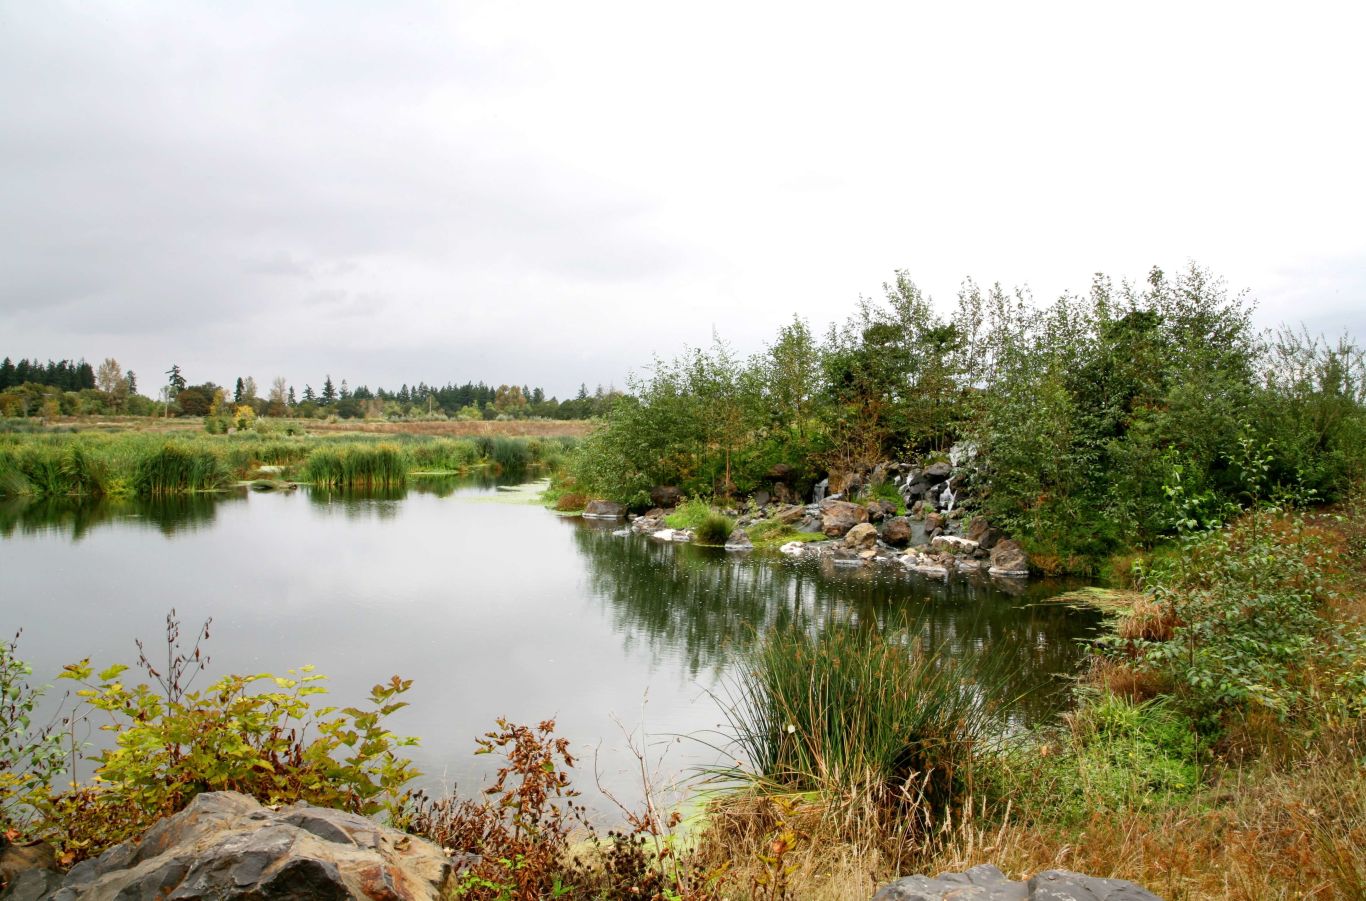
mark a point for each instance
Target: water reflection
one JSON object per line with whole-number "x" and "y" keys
{"x": 77, "y": 517}
{"x": 705, "y": 605}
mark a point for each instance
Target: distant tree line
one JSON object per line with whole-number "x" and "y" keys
{"x": 65, "y": 388}
{"x": 64, "y": 374}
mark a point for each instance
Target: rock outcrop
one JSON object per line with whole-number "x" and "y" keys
{"x": 225, "y": 845}
{"x": 987, "y": 883}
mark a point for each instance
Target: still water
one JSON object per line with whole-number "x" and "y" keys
{"x": 492, "y": 605}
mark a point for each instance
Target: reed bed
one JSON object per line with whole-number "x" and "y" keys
{"x": 180, "y": 469}
{"x": 357, "y": 466}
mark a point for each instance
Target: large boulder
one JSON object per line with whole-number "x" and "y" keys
{"x": 897, "y": 531}
{"x": 225, "y": 845}
{"x": 861, "y": 537}
{"x": 934, "y": 522}
{"x": 790, "y": 515}
{"x": 666, "y": 496}
{"x": 987, "y": 883}
{"x": 1009, "y": 559}
{"x": 838, "y": 517}
{"x": 604, "y": 510}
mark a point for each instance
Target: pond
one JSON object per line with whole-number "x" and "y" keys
{"x": 491, "y": 604}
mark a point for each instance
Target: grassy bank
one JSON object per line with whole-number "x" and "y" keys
{"x": 146, "y": 464}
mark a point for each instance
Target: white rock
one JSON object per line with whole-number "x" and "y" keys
{"x": 793, "y": 549}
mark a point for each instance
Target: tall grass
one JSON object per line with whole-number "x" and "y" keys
{"x": 443, "y": 455}
{"x": 714, "y": 529}
{"x": 882, "y": 732}
{"x": 179, "y": 468}
{"x": 357, "y": 466}
{"x": 510, "y": 454}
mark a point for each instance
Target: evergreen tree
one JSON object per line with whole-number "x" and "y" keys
{"x": 175, "y": 381}
{"x": 237, "y": 391}
{"x": 329, "y": 392}
{"x": 291, "y": 395}
{"x": 309, "y": 396}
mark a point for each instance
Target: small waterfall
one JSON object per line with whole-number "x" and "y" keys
{"x": 818, "y": 493}
{"x": 946, "y": 497}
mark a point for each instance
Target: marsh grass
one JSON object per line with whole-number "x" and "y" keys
{"x": 357, "y": 466}
{"x": 880, "y": 733}
{"x": 178, "y": 469}
{"x": 510, "y": 455}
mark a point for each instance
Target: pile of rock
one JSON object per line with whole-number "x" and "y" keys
{"x": 932, "y": 539}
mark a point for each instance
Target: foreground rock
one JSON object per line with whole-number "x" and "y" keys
{"x": 226, "y": 845}
{"x": 986, "y": 883}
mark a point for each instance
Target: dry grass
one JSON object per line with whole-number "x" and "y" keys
{"x": 1256, "y": 835}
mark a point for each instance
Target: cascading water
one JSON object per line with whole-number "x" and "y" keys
{"x": 818, "y": 493}
{"x": 946, "y": 497}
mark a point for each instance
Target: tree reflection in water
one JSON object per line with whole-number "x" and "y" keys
{"x": 708, "y": 606}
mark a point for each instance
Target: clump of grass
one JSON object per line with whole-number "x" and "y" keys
{"x": 177, "y": 468}
{"x": 879, "y": 733}
{"x": 444, "y": 455}
{"x": 510, "y": 454}
{"x": 886, "y": 491}
{"x": 357, "y": 466}
{"x": 85, "y": 471}
{"x": 690, "y": 514}
{"x": 714, "y": 529}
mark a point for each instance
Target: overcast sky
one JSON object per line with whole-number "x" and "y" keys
{"x": 551, "y": 193}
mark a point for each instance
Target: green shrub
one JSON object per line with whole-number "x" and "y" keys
{"x": 30, "y": 755}
{"x": 1250, "y": 603}
{"x": 256, "y": 734}
{"x": 1118, "y": 756}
